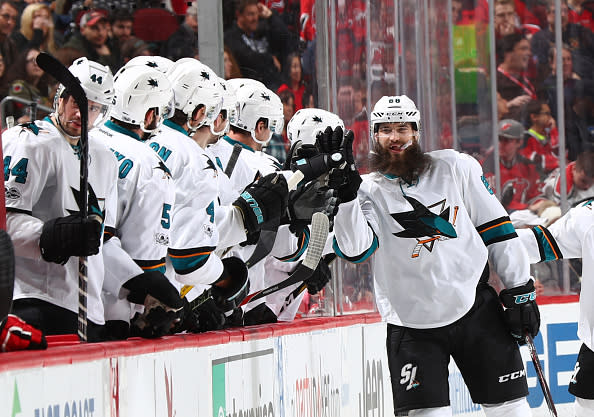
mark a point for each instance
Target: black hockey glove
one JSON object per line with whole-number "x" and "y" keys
{"x": 312, "y": 163}
{"x": 262, "y": 201}
{"x": 329, "y": 141}
{"x": 162, "y": 304}
{"x": 216, "y": 307}
{"x": 521, "y": 311}
{"x": 319, "y": 278}
{"x": 68, "y": 236}
{"x": 261, "y": 314}
{"x": 346, "y": 181}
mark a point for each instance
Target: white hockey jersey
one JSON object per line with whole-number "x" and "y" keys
{"x": 431, "y": 240}
{"x": 199, "y": 224}
{"x": 41, "y": 174}
{"x": 145, "y": 197}
{"x": 572, "y": 236}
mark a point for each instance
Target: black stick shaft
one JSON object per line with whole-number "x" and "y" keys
{"x": 540, "y": 374}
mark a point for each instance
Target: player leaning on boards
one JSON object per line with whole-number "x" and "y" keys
{"x": 143, "y": 98}
{"x": 42, "y": 181}
{"x": 572, "y": 236}
{"x": 433, "y": 224}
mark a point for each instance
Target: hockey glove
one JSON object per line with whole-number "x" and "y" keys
{"x": 262, "y": 201}
{"x": 346, "y": 180}
{"x": 15, "y": 334}
{"x": 329, "y": 141}
{"x": 521, "y": 311}
{"x": 318, "y": 280}
{"x": 161, "y": 300}
{"x": 68, "y": 236}
{"x": 261, "y": 314}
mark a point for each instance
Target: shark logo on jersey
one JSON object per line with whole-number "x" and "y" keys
{"x": 163, "y": 167}
{"x": 208, "y": 229}
{"x": 424, "y": 225}
{"x": 96, "y": 206}
{"x": 210, "y": 165}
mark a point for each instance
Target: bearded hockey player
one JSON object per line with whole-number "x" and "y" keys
{"x": 433, "y": 223}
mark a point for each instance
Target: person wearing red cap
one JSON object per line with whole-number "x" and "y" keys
{"x": 92, "y": 39}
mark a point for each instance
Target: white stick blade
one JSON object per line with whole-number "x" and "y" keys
{"x": 317, "y": 241}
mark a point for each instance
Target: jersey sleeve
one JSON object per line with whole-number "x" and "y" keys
{"x": 27, "y": 169}
{"x": 354, "y": 237}
{"x": 506, "y": 252}
{"x": 119, "y": 266}
{"x": 25, "y": 231}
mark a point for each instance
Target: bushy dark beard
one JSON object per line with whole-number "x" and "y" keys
{"x": 407, "y": 165}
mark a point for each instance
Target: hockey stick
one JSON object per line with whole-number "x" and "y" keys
{"x": 6, "y": 274}
{"x": 293, "y": 295}
{"x": 540, "y": 374}
{"x": 237, "y": 148}
{"x": 317, "y": 241}
{"x": 265, "y": 242}
{"x": 55, "y": 68}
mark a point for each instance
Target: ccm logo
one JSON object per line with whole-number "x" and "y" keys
{"x": 512, "y": 376}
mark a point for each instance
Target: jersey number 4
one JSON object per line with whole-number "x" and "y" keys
{"x": 19, "y": 170}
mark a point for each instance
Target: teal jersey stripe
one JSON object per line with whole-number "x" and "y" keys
{"x": 502, "y": 231}
{"x": 546, "y": 245}
{"x": 303, "y": 243}
{"x": 357, "y": 259}
{"x": 188, "y": 264}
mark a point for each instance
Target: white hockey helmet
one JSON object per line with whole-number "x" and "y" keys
{"x": 139, "y": 89}
{"x": 305, "y": 125}
{"x": 237, "y": 83}
{"x": 394, "y": 109}
{"x": 160, "y": 63}
{"x": 97, "y": 83}
{"x": 255, "y": 103}
{"x": 195, "y": 84}
{"x": 229, "y": 106}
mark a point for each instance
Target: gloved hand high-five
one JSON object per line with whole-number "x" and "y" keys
{"x": 262, "y": 201}
{"x": 68, "y": 236}
{"x": 521, "y": 311}
{"x": 345, "y": 181}
{"x": 15, "y": 334}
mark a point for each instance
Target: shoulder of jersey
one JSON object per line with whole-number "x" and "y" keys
{"x": 39, "y": 130}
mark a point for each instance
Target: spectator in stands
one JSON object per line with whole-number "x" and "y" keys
{"x": 258, "y": 40}
{"x": 580, "y": 181}
{"x": 183, "y": 43}
{"x": 230, "y": 63}
{"x": 512, "y": 83}
{"x": 134, "y": 47}
{"x": 37, "y": 29}
{"x": 506, "y": 19}
{"x": 293, "y": 72}
{"x": 26, "y": 80}
{"x": 579, "y": 127}
{"x": 456, "y": 11}
{"x": 570, "y": 79}
{"x": 519, "y": 178}
{"x": 579, "y": 14}
{"x": 541, "y": 142}
{"x": 92, "y": 39}
{"x": 121, "y": 21}
{"x": 577, "y": 37}
{"x": 8, "y": 20}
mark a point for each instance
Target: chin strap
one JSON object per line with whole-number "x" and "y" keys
{"x": 61, "y": 128}
{"x": 260, "y": 142}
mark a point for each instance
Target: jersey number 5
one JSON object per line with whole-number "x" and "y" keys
{"x": 19, "y": 170}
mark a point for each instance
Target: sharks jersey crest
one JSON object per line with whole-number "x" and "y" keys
{"x": 424, "y": 225}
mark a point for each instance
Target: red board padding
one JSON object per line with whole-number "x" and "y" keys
{"x": 558, "y": 299}
{"x": 66, "y": 349}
